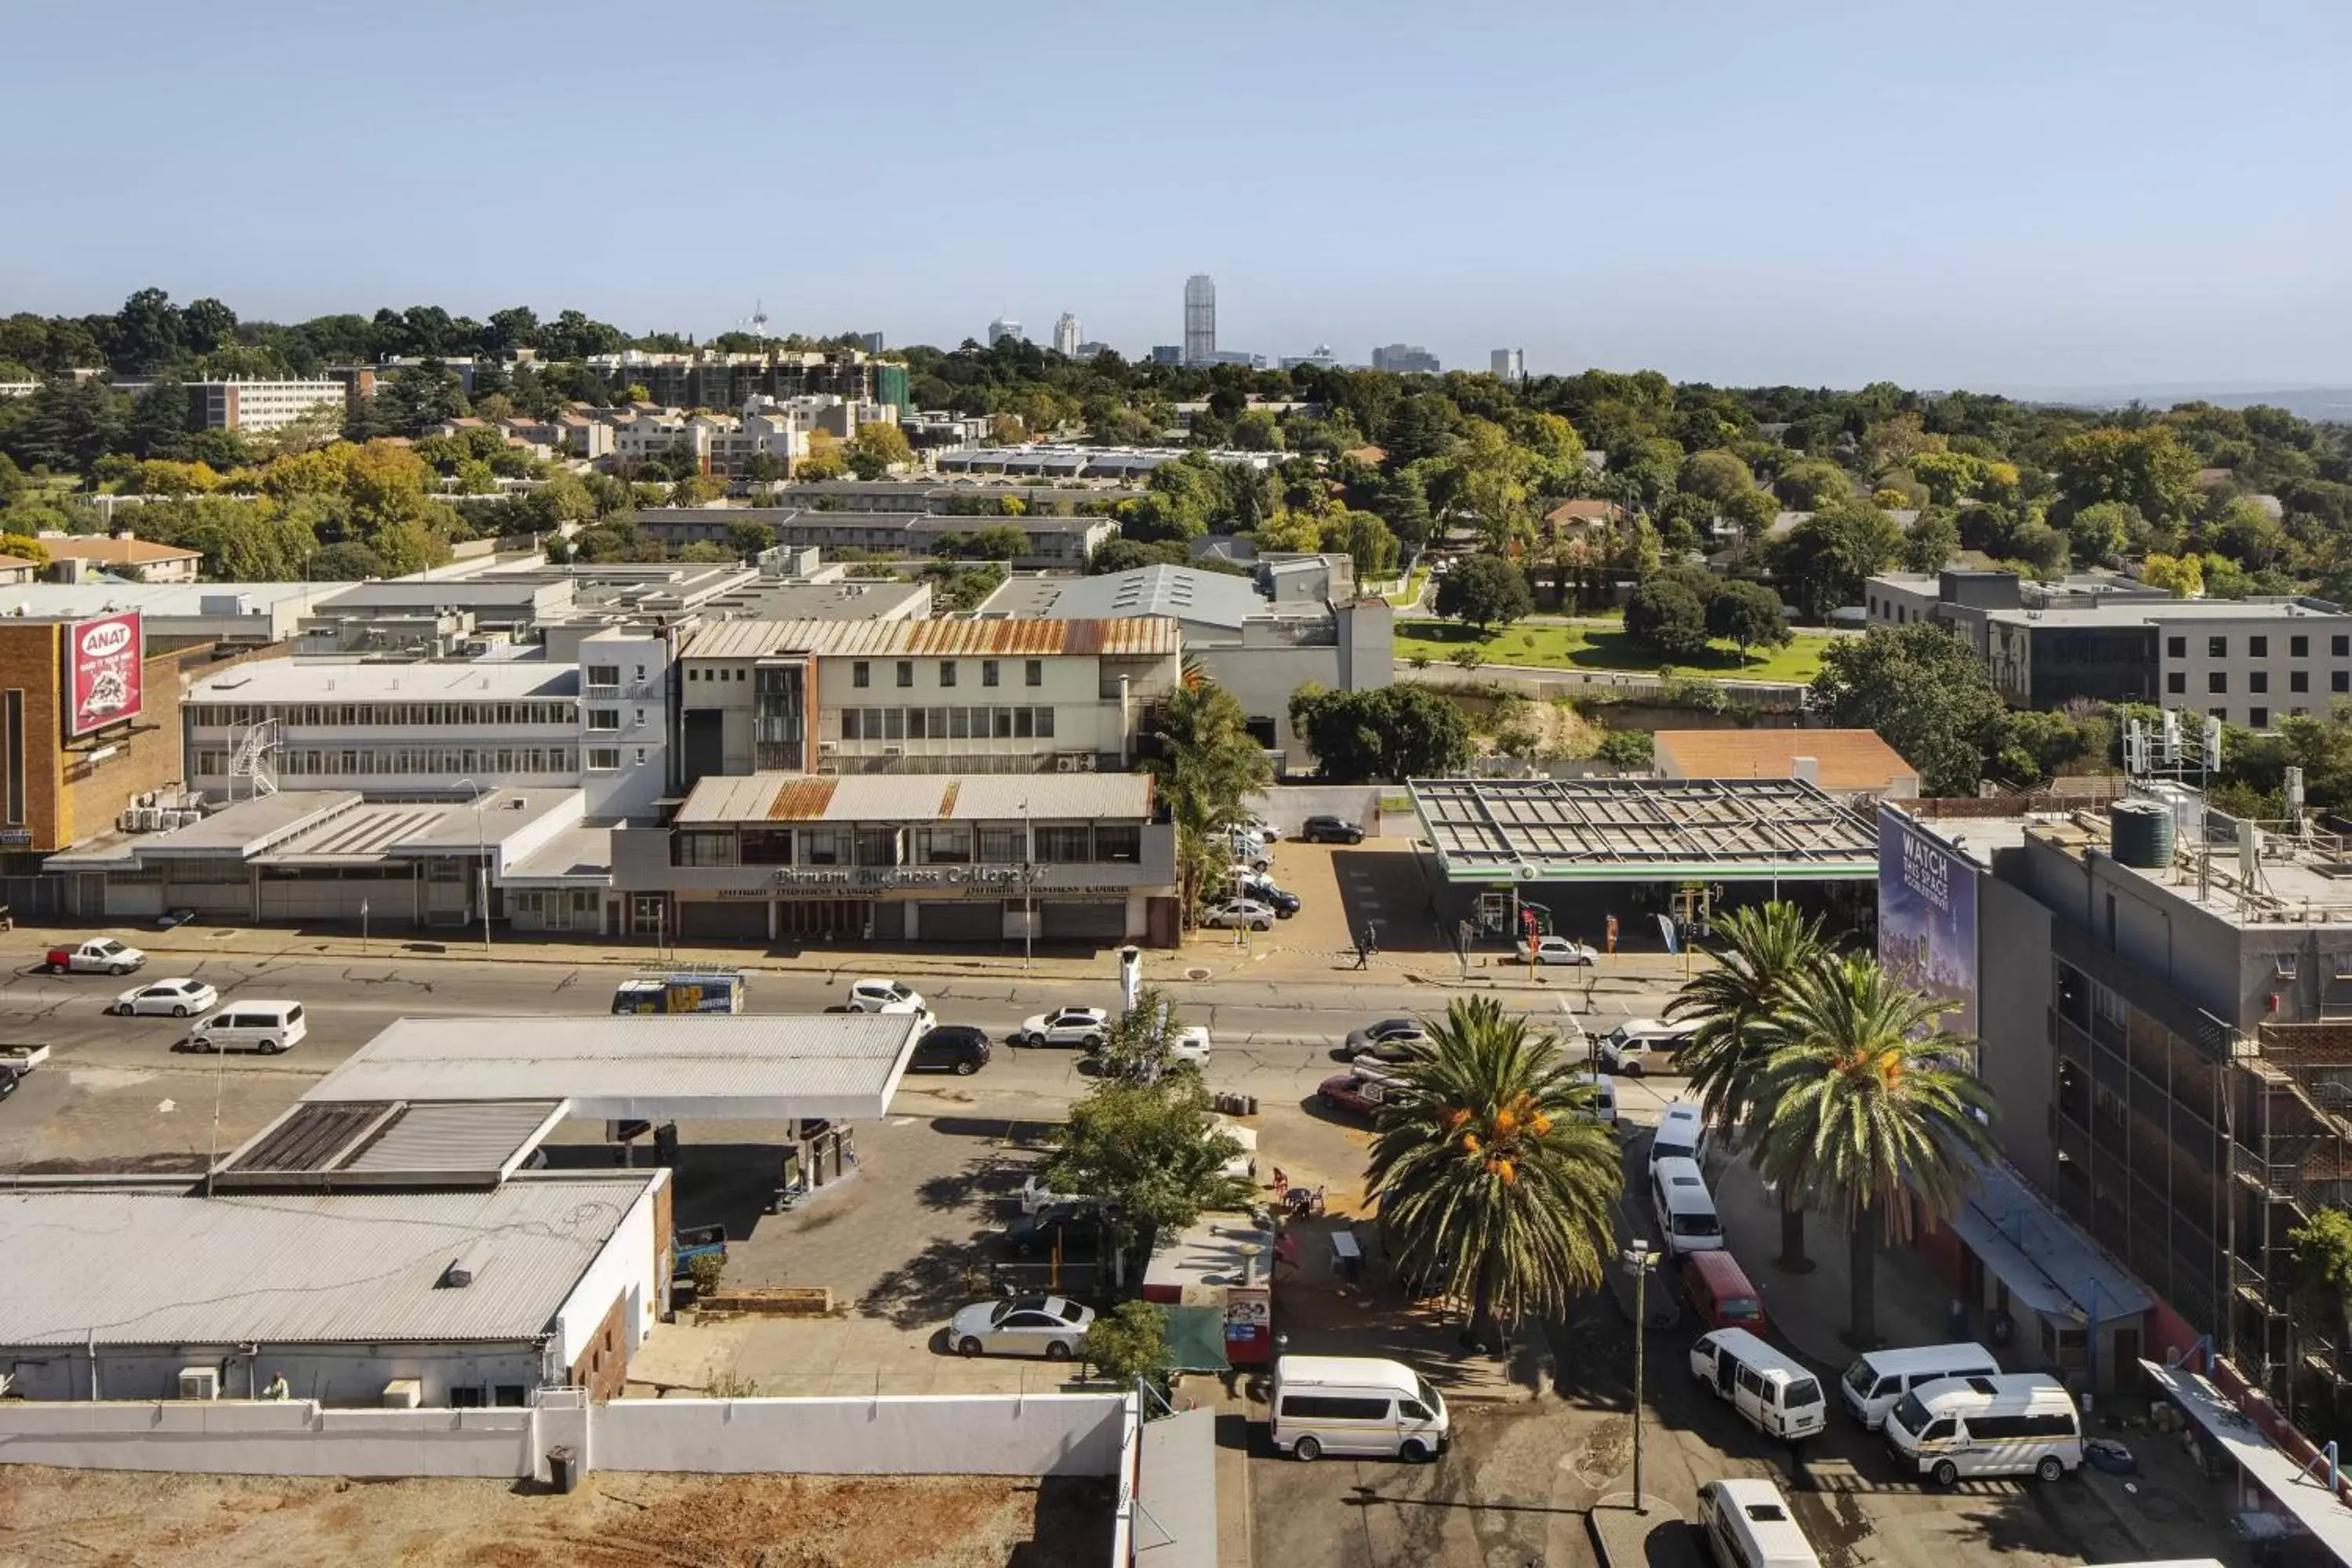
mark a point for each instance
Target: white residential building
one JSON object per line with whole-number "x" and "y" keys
{"x": 1004, "y": 326}
{"x": 624, "y": 720}
{"x": 1509, "y": 364}
{"x": 1066, "y": 335}
{"x": 260, "y": 406}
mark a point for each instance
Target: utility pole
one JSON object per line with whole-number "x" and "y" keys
{"x": 1637, "y": 1258}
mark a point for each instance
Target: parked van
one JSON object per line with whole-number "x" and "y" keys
{"x": 1776, "y": 1394}
{"x": 1720, "y": 1294}
{"x": 2001, "y": 1426}
{"x": 1355, "y": 1405}
{"x": 1684, "y": 1207}
{"x": 1748, "y": 1525}
{"x": 1878, "y": 1378}
{"x": 1682, "y": 1134}
{"x": 1604, "y": 1097}
{"x": 269, "y": 1026}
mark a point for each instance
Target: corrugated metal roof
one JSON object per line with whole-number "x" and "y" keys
{"x": 317, "y": 1141}
{"x": 1127, "y": 635}
{"x": 149, "y": 1264}
{"x": 917, "y": 797}
{"x": 458, "y": 1137}
{"x": 763, "y": 1066}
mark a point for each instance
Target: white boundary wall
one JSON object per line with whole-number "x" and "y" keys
{"x": 273, "y": 1437}
{"x": 994, "y": 1434}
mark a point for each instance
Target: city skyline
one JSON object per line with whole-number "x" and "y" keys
{"x": 1816, "y": 235}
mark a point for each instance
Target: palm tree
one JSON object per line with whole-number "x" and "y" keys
{"x": 1868, "y": 1110}
{"x": 1737, "y": 1002}
{"x": 1493, "y": 1174}
{"x": 1207, "y": 761}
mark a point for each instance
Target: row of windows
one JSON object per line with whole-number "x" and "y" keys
{"x": 2339, "y": 646}
{"x": 946, "y": 724}
{"x": 609, "y": 718}
{"x": 695, "y": 672}
{"x": 1982, "y": 1429}
{"x": 436, "y": 715}
{"x": 1033, "y": 672}
{"x": 315, "y": 761}
{"x": 1045, "y": 843}
{"x": 2258, "y": 681}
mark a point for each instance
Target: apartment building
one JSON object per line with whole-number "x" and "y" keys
{"x": 724, "y": 443}
{"x": 625, "y": 719}
{"x": 920, "y": 696}
{"x": 716, "y": 381}
{"x": 121, "y": 554}
{"x": 261, "y": 405}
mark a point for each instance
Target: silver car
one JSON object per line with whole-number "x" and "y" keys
{"x": 1048, "y": 1326}
{"x": 1241, "y": 912}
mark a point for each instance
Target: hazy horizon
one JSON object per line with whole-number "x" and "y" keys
{"x": 1813, "y": 196}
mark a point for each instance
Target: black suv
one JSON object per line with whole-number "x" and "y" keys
{"x": 1330, "y": 830}
{"x": 958, "y": 1048}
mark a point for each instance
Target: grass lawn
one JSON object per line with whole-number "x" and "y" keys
{"x": 1411, "y": 592}
{"x": 1603, "y": 647}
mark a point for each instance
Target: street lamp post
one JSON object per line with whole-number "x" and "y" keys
{"x": 1637, "y": 1259}
{"x": 1028, "y": 887}
{"x": 482, "y": 859}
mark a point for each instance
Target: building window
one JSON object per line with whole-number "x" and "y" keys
{"x": 2216, "y": 647}
{"x": 604, "y": 674}
{"x": 947, "y": 672}
{"x": 988, "y": 672}
{"x": 1119, "y": 843}
{"x": 603, "y": 759}
{"x": 2176, "y": 647}
{"x": 14, "y": 740}
{"x": 1045, "y": 722}
{"x": 861, "y": 674}
{"x": 2258, "y": 647}
{"x": 2258, "y": 680}
{"x": 1000, "y": 846}
{"x": 2217, "y": 680}
{"x": 1033, "y": 672}
{"x": 2340, "y": 645}
{"x": 2298, "y": 648}
{"x": 2260, "y": 718}
{"x": 2175, "y": 682}
{"x": 703, "y": 849}
{"x": 2298, "y": 680}
{"x": 2339, "y": 680}
{"x": 906, "y": 672}
{"x": 944, "y": 846}
{"x": 1065, "y": 845}
{"x": 604, "y": 717}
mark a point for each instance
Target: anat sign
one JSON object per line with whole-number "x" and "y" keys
{"x": 102, "y": 671}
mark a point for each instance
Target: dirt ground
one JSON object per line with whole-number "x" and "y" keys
{"x": 118, "y": 1520}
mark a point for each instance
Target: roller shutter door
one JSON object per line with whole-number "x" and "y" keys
{"x": 976, "y": 920}
{"x": 746, "y": 920}
{"x": 1070, "y": 922}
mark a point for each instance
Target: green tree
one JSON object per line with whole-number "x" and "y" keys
{"x": 2147, "y": 468}
{"x": 1628, "y": 749}
{"x": 1485, "y": 591}
{"x": 1665, "y": 617}
{"x": 349, "y": 562}
{"x": 1714, "y": 476}
{"x": 2320, "y": 1267}
{"x": 1141, "y": 1043}
{"x": 1152, "y": 1153}
{"x": 1747, "y": 614}
{"x": 1000, "y": 542}
{"x": 1205, "y": 762}
{"x": 1738, "y": 1001}
{"x": 1128, "y": 1343}
{"x": 1867, "y": 1113}
{"x": 1365, "y": 540}
{"x": 2103, "y": 530}
{"x": 878, "y": 446}
{"x": 1494, "y": 1176}
{"x": 2183, "y": 576}
{"x": 1933, "y": 539}
{"x": 1826, "y": 559}
{"x": 1926, "y": 694}
{"x": 1808, "y": 487}
{"x": 1391, "y": 733}
{"x": 826, "y": 459}
{"x": 415, "y": 398}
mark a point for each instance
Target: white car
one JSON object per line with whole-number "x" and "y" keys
{"x": 1082, "y": 1026}
{"x": 1637, "y": 1044}
{"x": 1250, "y": 851}
{"x": 1234, "y": 912}
{"x": 1560, "y": 950}
{"x": 1048, "y": 1326}
{"x": 1190, "y": 1043}
{"x": 886, "y": 996}
{"x": 180, "y": 998}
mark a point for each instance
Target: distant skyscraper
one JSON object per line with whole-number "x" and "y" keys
{"x": 1167, "y": 353}
{"x": 870, "y": 342}
{"x": 1510, "y": 364}
{"x": 1405, "y": 359}
{"x": 1200, "y": 319}
{"x": 1322, "y": 358}
{"x": 1065, "y": 336}
{"x": 1004, "y": 326}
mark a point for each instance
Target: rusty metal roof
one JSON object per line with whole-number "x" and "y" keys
{"x": 800, "y": 800}
{"x": 1135, "y": 636}
{"x": 919, "y": 797}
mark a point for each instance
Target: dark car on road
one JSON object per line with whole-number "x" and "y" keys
{"x": 1075, "y": 1229}
{"x": 1361, "y": 1093}
{"x": 1330, "y": 830}
{"x": 1358, "y": 1041}
{"x": 958, "y": 1048}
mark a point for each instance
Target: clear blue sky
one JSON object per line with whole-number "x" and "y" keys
{"x": 2056, "y": 194}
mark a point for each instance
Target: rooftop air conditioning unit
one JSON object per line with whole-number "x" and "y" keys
{"x": 200, "y": 1383}
{"x": 404, "y": 1394}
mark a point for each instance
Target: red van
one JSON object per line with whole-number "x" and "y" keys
{"x": 1720, "y": 1294}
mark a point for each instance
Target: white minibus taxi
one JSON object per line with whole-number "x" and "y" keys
{"x": 1748, "y": 1525}
{"x": 2005, "y": 1426}
{"x": 1355, "y": 1405}
{"x": 1878, "y": 1378}
{"x": 1686, "y": 1208}
{"x": 1776, "y": 1394}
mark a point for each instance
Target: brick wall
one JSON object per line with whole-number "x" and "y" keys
{"x": 604, "y": 1366}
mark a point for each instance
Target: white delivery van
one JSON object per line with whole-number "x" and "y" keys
{"x": 267, "y": 1026}
{"x": 1686, "y": 1208}
{"x": 1776, "y": 1394}
{"x": 2011, "y": 1425}
{"x": 1878, "y": 1378}
{"x": 1355, "y": 1405}
{"x": 1748, "y": 1525}
{"x": 1604, "y": 1097}
{"x": 1682, "y": 1134}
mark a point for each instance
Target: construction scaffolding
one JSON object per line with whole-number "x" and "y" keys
{"x": 1496, "y": 831}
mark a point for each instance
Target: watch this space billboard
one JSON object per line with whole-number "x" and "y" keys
{"x": 1928, "y": 916}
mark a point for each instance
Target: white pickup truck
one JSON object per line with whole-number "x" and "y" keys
{"x": 100, "y": 955}
{"x": 22, "y": 1059}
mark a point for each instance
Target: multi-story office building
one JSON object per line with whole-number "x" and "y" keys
{"x": 1323, "y": 358}
{"x": 1065, "y": 336}
{"x": 261, "y": 406}
{"x": 625, "y": 703}
{"x": 1167, "y": 353}
{"x": 1509, "y": 364}
{"x": 728, "y": 381}
{"x": 1004, "y": 326}
{"x": 2246, "y": 661}
{"x": 1405, "y": 359}
{"x": 1093, "y": 349}
{"x": 1200, "y": 319}
{"x": 921, "y": 696}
